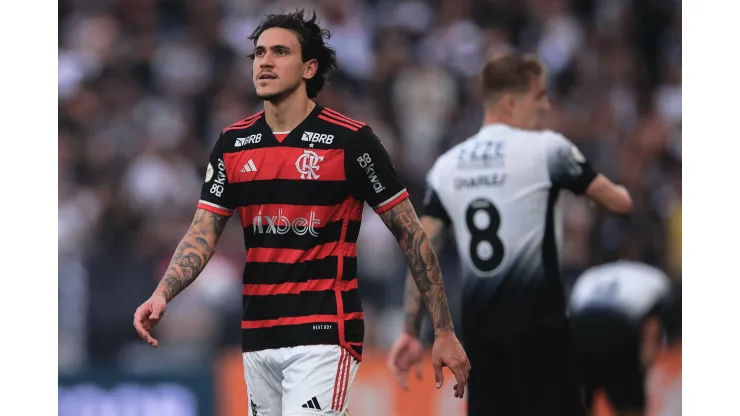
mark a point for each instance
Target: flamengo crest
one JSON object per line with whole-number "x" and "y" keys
{"x": 308, "y": 163}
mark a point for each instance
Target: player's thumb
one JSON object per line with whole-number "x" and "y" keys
{"x": 418, "y": 371}
{"x": 438, "y": 377}
{"x": 156, "y": 313}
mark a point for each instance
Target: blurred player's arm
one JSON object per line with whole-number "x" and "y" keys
{"x": 193, "y": 253}
{"x": 424, "y": 267}
{"x": 412, "y": 299}
{"x": 609, "y": 195}
{"x": 569, "y": 169}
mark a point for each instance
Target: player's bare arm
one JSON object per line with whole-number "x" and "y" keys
{"x": 424, "y": 268}
{"x": 403, "y": 222}
{"x": 193, "y": 253}
{"x": 407, "y": 352}
{"x": 412, "y": 299}
{"x": 609, "y": 195}
{"x": 191, "y": 256}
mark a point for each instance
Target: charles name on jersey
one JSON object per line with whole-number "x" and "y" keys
{"x": 488, "y": 179}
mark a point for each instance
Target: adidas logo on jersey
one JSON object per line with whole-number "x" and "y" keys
{"x": 317, "y": 137}
{"x": 249, "y": 167}
{"x": 312, "y": 404}
{"x": 253, "y": 139}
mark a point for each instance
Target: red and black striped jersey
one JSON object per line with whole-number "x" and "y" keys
{"x": 300, "y": 201}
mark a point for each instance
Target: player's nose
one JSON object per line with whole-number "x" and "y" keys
{"x": 267, "y": 60}
{"x": 266, "y": 63}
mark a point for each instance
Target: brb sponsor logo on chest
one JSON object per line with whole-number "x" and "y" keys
{"x": 317, "y": 138}
{"x": 308, "y": 163}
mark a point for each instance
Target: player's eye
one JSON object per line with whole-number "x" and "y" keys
{"x": 259, "y": 52}
{"x": 281, "y": 52}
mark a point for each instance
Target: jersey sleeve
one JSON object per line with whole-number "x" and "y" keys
{"x": 371, "y": 173}
{"x": 567, "y": 166}
{"x": 216, "y": 194}
{"x": 432, "y": 203}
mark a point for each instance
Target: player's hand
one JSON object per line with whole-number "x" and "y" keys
{"x": 406, "y": 353}
{"x": 448, "y": 352}
{"x": 148, "y": 315}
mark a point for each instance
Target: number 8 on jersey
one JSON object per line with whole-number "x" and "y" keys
{"x": 486, "y": 248}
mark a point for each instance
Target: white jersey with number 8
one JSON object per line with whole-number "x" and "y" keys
{"x": 499, "y": 191}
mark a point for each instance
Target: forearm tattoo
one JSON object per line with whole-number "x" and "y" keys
{"x": 193, "y": 252}
{"x": 423, "y": 265}
{"x": 412, "y": 301}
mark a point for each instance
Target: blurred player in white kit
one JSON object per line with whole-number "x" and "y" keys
{"x": 617, "y": 321}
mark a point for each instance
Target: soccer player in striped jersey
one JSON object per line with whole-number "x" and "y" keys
{"x": 498, "y": 191}
{"x": 298, "y": 175}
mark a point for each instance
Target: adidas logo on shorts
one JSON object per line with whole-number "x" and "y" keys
{"x": 312, "y": 404}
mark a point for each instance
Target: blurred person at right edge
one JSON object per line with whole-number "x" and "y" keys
{"x": 498, "y": 190}
{"x": 619, "y": 312}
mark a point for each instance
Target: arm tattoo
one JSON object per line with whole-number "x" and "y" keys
{"x": 412, "y": 301}
{"x": 424, "y": 267}
{"x": 412, "y": 307}
{"x": 193, "y": 252}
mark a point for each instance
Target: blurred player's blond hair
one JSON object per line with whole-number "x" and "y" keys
{"x": 509, "y": 72}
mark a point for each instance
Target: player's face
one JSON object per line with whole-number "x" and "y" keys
{"x": 278, "y": 69}
{"x": 532, "y": 106}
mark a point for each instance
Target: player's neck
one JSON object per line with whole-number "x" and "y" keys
{"x": 493, "y": 117}
{"x": 286, "y": 114}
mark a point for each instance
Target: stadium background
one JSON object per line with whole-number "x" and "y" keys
{"x": 146, "y": 85}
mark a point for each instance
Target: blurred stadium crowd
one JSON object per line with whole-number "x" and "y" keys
{"x": 145, "y": 86}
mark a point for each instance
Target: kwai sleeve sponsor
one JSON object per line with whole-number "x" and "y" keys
{"x": 216, "y": 193}
{"x": 371, "y": 172}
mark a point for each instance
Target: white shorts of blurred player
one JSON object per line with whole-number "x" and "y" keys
{"x": 297, "y": 381}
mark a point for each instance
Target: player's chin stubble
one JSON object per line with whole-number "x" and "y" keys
{"x": 270, "y": 97}
{"x": 278, "y": 96}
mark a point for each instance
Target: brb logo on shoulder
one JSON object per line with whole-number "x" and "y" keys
{"x": 253, "y": 139}
{"x": 317, "y": 137}
{"x": 218, "y": 185}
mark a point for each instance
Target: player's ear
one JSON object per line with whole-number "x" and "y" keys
{"x": 310, "y": 68}
{"x": 508, "y": 100}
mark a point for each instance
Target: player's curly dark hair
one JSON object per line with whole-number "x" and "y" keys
{"x": 311, "y": 37}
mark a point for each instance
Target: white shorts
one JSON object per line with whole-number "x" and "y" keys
{"x": 297, "y": 381}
